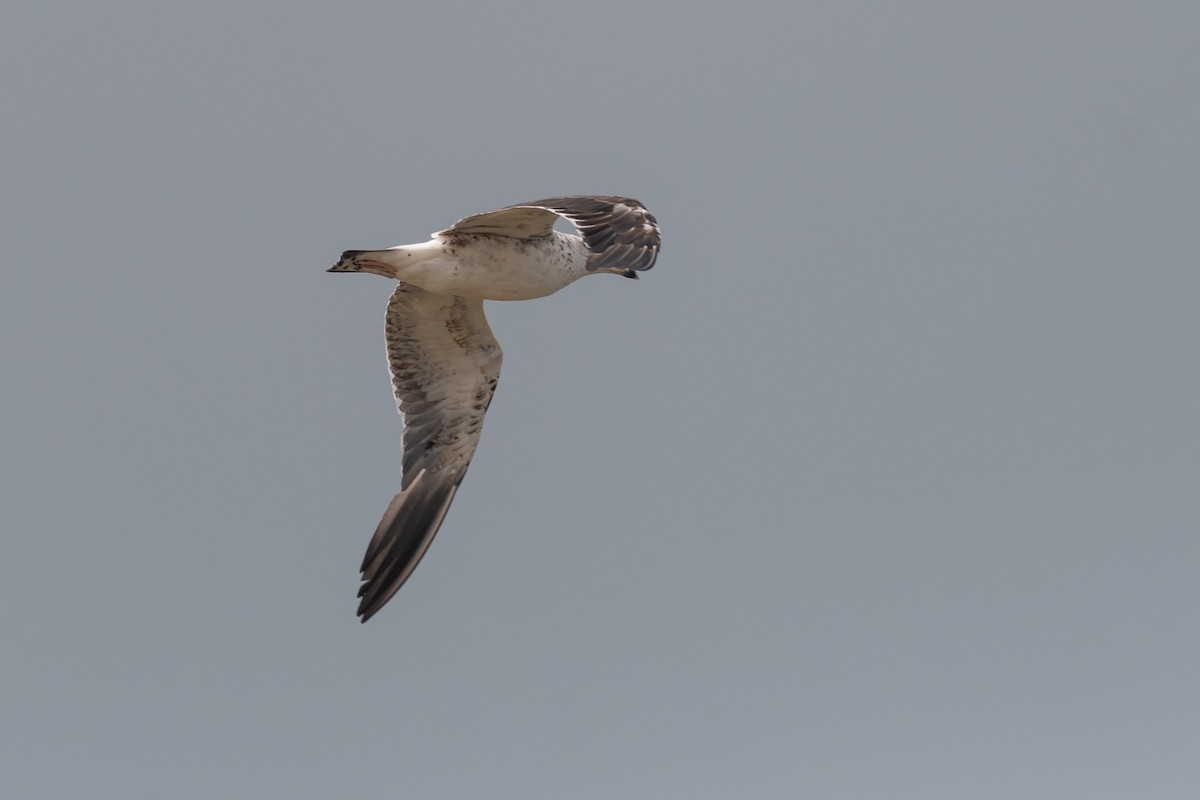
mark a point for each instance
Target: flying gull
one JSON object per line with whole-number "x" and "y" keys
{"x": 444, "y": 360}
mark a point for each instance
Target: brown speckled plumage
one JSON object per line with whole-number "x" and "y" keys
{"x": 444, "y": 360}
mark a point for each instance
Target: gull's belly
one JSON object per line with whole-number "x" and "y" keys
{"x": 487, "y": 279}
{"x": 497, "y": 268}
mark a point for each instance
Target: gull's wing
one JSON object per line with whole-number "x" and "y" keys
{"x": 445, "y": 363}
{"x": 619, "y": 231}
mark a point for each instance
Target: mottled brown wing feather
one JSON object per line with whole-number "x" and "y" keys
{"x": 619, "y": 231}
{"x": 519, "y": 222}
{"x": 445, "y": 363}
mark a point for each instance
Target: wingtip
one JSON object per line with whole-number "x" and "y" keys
{"x": 367, "y": 607}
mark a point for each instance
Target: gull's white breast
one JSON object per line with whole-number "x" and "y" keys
{"x": 490, "y": 267}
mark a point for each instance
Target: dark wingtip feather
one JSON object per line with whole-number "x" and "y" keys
{"x": 404, "y": 534}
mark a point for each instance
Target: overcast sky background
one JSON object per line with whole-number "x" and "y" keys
{"x": 883, "y": 483}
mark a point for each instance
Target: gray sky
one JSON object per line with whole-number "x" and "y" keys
{"x": 883, "y": 483}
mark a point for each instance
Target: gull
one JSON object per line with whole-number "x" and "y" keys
{"x": 444, "y": 360}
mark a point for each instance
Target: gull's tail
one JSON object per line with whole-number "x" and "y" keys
{"x": 347, "y": 263}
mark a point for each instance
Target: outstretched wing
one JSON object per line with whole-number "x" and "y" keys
{"x": 619, "y": 231}
{"x": 445, "y": 363}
